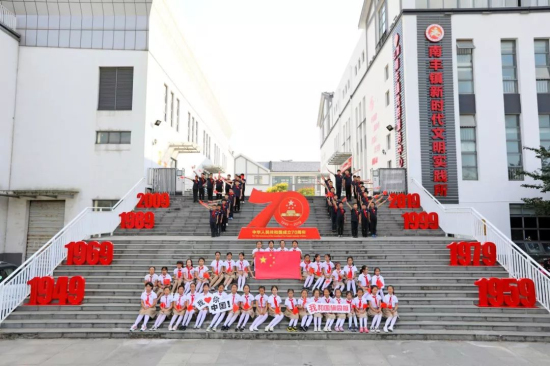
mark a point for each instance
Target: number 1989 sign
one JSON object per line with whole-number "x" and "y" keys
{"x": 290, "y": 210}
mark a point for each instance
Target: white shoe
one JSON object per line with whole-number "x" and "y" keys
{"x": 143, "y": 328}
{"x": 209, "y": 329}
{"x": 267, "y": 328}
{"x": 377, "y": 330}
{"x": 390, "y": 329}
{"x": 214, "y": 329}
{"x": 385, "y": 330}
{"x": 133, "y": 328}
{"x": 251, "y": 329}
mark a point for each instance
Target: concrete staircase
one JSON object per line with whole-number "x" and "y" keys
{"x": 436, "y": 301}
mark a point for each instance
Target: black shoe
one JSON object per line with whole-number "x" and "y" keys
{"x": 306, "y": 328}
{"x": 184, "y": 328}
{"x": 236, "y": 329}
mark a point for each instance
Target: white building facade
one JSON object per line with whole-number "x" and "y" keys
{"x": 97, "y": 93}
{"x": 454, "y": 108}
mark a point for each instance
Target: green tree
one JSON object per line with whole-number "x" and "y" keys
{"x": 542, "y": 178}
{"x": 280, "y": 187}
{"x": 307, "y": 191}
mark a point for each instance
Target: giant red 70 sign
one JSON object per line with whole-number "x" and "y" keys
{"x": 290, "y": 210}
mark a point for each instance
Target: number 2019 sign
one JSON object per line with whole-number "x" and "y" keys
{"x": 290, "y": 210}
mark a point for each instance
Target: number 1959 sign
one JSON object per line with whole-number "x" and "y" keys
{"x": 290, "y": 209}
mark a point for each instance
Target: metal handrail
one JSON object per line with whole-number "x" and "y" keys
{"x": 467, "y": 222}
{"x": 42, "y": 263}
{"x": 7, "y": 18}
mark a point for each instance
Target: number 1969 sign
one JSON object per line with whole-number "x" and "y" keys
{"x": 290, "y": 209}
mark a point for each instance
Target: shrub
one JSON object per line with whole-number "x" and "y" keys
{"x": 307, "y": 191}
{"x": 281, "y": 187}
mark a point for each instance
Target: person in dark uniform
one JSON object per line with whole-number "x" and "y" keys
{"x": 202, "y": 183}
{"x": 196, "y": 189}
{"x": 330, "y": 196}
{"x": 225, "y": 214}
{"x": 231, "y": 202}
{"x": 338, "y": 181}
{"x": 238, "y": 194}
{"x": 355, "y": 218}
{"x": 219, "y": 188}
{"x": 210, "y": 187}
{"x": 228, "y": 184}
{"x": 219, "y": 220}
{"x": 334, "y": 214}
{"x": 340, "y": 218}
{"x": 214, "y": 216}
{"x": 364, "y": 221}
{"x": 347, "y": 184}
{"x": 243, "y": 185}
{"x": 373, "y": 220}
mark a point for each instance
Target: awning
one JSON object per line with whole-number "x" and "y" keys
{"x": 184, "y": 147}
{"x": 213, "y": 169}
{"x": 338, "y": 158}
{"x": 35, "y": 193}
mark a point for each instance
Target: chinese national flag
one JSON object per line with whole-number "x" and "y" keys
{"x": 276, "y": 265}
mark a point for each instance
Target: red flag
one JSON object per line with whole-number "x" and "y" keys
{"x": 278, "y": 265}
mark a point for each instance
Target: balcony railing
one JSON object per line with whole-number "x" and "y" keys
{"x": 515, "y": 173}
{"x": 7, "y": 18}
{"x": 543, "y": 86}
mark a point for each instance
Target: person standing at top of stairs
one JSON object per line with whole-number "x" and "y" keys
{"x": 219, "y": 188}
{"x": 338, "y": 181}
{"x": 202, "y": 182}
{"x": 210, "y": 187}
{"x": 238, "y": 195}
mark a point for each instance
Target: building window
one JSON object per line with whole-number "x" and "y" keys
{"x": 468, "y": 147}
{"x": 465, "y": 67}
{"x": 382, "y": 24}
{"x": 542, "y": 64}
{"x": 544, "y": 131}
{"x": 165, "y": 103}
{"x": 363, "y": 56}
{"x": 189, "y": 126}
{"x": 509, "y": 67}
{"x": 112, "y": 137}
{"x": 258, "y": 179}
{"x": 204, "y": 143}
{"x": 197, "y": 131}
{"x": 389, "y": 163}
{"x": 172, "y": 110}
{"x": 530, "y": 231}
{"x": 116, "y": 85}
{"x": 388, "y": 141}
{"x": 356, "y": 70}
{"x": 178, "y": 115}
{"x": 104, "y": 205}
{"x": 193, "y": 130}
{"x": 386, "y": 73}
{"x": 514, "y": 147}
{"x": 387, "y": 98}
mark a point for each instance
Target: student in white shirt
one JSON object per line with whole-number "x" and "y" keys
{"x": 178, "y": 309}
{"x": 328, "y": 267}
{"x": 165, "y": 308}
{"x": 201, "y": 275}
{"x": 282, "y": 247}
{"x": 317, "y": 317}
{"x": 329, "y": 317}
{"x": 232, "y": 314}
{"x": 258, "y": 249}
{"x": 218, "y": 318}
{"x": 337, "y": 278}
{"x": 261, "y": 309}
{"x": 364, "y": 279}
{"x": 190, "y": 299}
{"x": 148, "y": 307}
{"x": 341, "y": 317}
{"x": 274, "y": 309}
{"x": 188, "y": 275}
{"x": 243, "y": 267}
{"x": 178, "y": 276}
{"x": 247, "y": 309}
{"x": 307, "y": 271}
{"x": 349, "y": 275}
{"x": 295, "y": 248}
{"x": 378, "y": 280}
{"x": 390, "y": 309}
{"x": 352, "y": 318}
{"x": 304, "y": 314}
{"x": 204, "y": 312}
{"x": 165, "y": 280}
{"x": 318, "y": 271}
{"x": 229, "y": 267}
{"x": 217, "y": 271}
{"x": 151, "y": 277}
{"x": 375, "y": 302}
{"x": 270, "y": 246}
{"x": 360, "y": 304}
{"x": 292, "y": 311}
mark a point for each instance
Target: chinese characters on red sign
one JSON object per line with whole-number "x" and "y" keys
{"x": 398, "y": 100}
{"x": 436, "y": 105}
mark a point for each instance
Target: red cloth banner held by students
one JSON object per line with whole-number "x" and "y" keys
{"x": 277, "y": 265}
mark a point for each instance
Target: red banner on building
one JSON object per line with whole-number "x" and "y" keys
{"x": 346, "y": 165}
{"x": 277, "y": 265}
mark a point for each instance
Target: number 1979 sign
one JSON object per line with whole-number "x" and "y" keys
{"x": 290, "y": 209}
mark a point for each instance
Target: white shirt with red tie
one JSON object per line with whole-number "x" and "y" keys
{"x": 391, "y": 300}
{"x": 153, "y": 278}
{"x": 291, "y": 303}
{"x": 242, "y": 265}
{"x": 148, "y": 298}
{"x": 247, "y": 301}
{"x": 274, "y": 301}
{"x": 179, "y": 300}
{"x": 261, "y": 300}
{"x": 364, "y": 280}
{"x": 188, "y": 273}
{"x": 229, "y": 266}
{"x": 318, "y": 268}
{"x": 200, "y": 271}
{"x": 178, "y": 273}
{"x": 165, "y": 301}
{"x": 338, "y": 275}
{"x": 217, "y": 266}
{"x": 359, "y": 302}
{"x": 165, "y": 279}
{"x": 305, "y": 266}
{"x": 191, "y": 298}
{"x": 235, "y": 298}
{"x": 257, "y": 251}
{"x": 285, "y": 249}
{"x": 376, "y": 279}
{"x": 349, "y": 270}
{"x": 374, "y": 300}
{"x": 295, "y": 250}
{"x": 328, "y": 267}
{"x": 339, "y": 301}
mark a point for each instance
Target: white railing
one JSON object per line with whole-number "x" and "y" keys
{"x": 89, "y": 222}
{"x": 7, "y": 18}
{"x": 467, "y": 222}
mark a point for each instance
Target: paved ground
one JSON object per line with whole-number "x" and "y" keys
{"x": 106, "y": 352}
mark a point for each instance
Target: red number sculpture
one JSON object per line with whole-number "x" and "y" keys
{"x": 153, "y": 200}
{"x": 137, "y": 220}
{"x": 420, "y": 220}
{"x": 45, "y": 289}
{"x": 401, "y": 200}
{"x": 80, "y": 253}
{"x": 506, "y": 292}
{"x": 461, "y": 254}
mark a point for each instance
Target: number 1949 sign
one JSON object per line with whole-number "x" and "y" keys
{"x": 290, "y": 210}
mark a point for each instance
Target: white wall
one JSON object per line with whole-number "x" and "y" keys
{"x": 8, "y": 79}
{"x": 55, "y": 129}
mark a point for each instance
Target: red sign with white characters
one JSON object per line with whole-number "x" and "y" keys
{"x": 290, "y": 209}
{"x": 435, "y": 33}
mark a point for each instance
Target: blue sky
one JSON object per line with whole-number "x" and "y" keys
{"x": 268, "y": 62}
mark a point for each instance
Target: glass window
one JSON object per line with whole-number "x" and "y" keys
{"x": 277, "y": 180}
{"x": 468, "y": 147}
{"x": 104, "y": 205}
{"x": 178, "y": 115}
{"x": 542, "y": 64}
{"x": 113, "y": 137}
{"x": 382, "y": 24}
{"x": 189, "y": 126}
{"x": 509, "y": 70}
{"x": 514, "y": 147}
{"x": 465, "y": 66}
{"x": 544, "y": 131}
{"x": 172, "y": 110}
{"x": 165, "y": 102}
{"x": 116, "y": 88}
